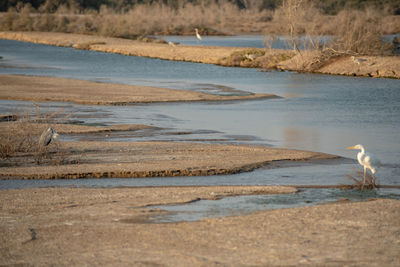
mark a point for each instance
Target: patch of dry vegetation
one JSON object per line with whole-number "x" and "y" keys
{"x": 256, "y": 58}
{"x": 21, "y": 138}
{"x": 354, "y": 32}
{"x": 141, "y": 20}
{"x": 211, "y": 17}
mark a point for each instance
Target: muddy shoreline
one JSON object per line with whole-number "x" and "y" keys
{"x": 107, "y": 159}
{"x": 38, "y": 88}
{"x": 78, "y": 226}
{"x": 147, "y": 159}
{"x": 370, "y": 66}
{"x": 113, "y": 226}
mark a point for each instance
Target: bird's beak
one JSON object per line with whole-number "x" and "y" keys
{"x": 351, "y": 147}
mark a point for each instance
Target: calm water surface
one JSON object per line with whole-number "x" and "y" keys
{"x": 316, "y": 112}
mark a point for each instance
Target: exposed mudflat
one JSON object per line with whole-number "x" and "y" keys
{"x": 144, "y": 159}
{"x": 38, "y": 128}
{"x": 76, "y": 226}
{"x": 35, "y": 88}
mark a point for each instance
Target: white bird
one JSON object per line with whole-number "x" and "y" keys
{"x": 197, "y": 34}
{"x": 368, "y": 161}
{"x": 171, "y": 44}
{"x": 251, "y": 56}
{"x": 358, "y": 60}
{"x": 47, "y": 136}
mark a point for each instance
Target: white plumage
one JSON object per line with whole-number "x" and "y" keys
{"x": 367, "y": 160}
{"x": 197, "y": 34}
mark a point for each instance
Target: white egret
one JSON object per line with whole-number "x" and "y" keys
{"x": 197, "y": 34}
{"x": 368, "y": 161}
{"x": 47, "y": 136}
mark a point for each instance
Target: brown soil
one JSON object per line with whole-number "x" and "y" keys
{"x": 367, "y": 66}
{"x": 34, "y": 88}
{"x": 66, "y": 226}
{"x": 124, "y": 46}
{"x": 374, "y": 66}
{"x": 146, "y": 159}
{"x": 38, "y": 128}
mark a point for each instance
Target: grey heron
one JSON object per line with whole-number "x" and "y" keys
{"x": 47, "y": 136}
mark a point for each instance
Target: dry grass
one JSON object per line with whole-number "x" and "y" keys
{"x": 359, "y": 33}
{"x": 370, "y": 182}
{"x": 21, "y": 138}
{"x": 256, "y": 58}
{"x": 354, "y": 32}
{"x": 153, "y": 19}
{"x": 353, "y": 29}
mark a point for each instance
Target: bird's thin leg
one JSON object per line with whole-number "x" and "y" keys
{"x": 373, "y": 181}
{"x": 364, "y": 179}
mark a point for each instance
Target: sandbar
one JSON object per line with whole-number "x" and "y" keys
{"x": 97, "y": 159}
{"x": 64, "y": 128}
{"x": 38, "y": 88}
{"x": 78, "y": 226}
{"x": 370, "y": 66}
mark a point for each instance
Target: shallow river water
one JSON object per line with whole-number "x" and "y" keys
{"x": 315, "y": 112}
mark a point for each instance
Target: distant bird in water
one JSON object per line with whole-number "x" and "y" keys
{"x": 171, "y": 44}
{"x": 47, "y": 136}
{"x": 197, "y": 34}
{"x": 368, "y": 161}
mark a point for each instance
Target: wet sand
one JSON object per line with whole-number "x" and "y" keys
{"x": 370, "y": 66}
{"x": 76, "y": 226}
{"x": 122, "y": 159}
{"x": 35, "y": 88}
{"x": 146, "y": 159}
{"x": 38, "y": 128}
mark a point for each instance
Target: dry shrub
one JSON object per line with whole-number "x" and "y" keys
{"x": 359, "y": 32}
{"x": 370, "y": 182}
{"x": 353, "y": 31}
{"x": 142, "y": 19}
{"x": 20, "y": 138}
{"x": 243, "y": 58}
{"x": 256, "y": 58}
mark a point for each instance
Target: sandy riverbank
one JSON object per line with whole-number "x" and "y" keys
{"x": 365, "y": 66}
{"x": 146, "y": 159}
{"x": 66, "y": 226}
{"x": 121, "y": 159}
{"x": 35, "y": 88}
{"x": 370, "y": 66}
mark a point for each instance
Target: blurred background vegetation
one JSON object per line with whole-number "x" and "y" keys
{"x": 331, "y": 7}
{"x": 357, "y": 25}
